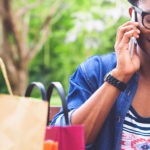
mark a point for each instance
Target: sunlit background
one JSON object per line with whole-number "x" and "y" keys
{"x": 46, "y": 40}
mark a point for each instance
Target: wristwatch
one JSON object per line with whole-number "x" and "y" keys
{"x": 115, "y": 82}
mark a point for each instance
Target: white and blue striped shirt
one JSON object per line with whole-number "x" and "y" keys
{"x": 136, "y": 132}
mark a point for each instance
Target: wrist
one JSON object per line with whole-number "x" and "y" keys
{"x": 109, "y": 78}
{"x": 120, "y": 75}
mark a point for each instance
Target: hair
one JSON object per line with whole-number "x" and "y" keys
{"x": 134, "y": 2}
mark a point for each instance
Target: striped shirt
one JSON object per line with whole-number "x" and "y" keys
{"x": 136, "y": 132}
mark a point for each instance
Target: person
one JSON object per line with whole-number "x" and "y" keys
{"x": 110, "y": 94}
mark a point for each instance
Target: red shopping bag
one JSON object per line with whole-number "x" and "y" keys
{"x": 69, "y": 137}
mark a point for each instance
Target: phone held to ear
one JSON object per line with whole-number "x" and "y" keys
{"x": 132, "y": 41}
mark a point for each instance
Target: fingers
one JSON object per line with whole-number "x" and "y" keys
{"x": 129, "y": 34}
{"x": 125, "y": 32}
{"x": 131, "y": 27}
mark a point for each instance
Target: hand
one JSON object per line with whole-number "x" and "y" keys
{"x": 126, "y": 65}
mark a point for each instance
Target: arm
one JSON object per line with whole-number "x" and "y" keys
{"x": 103, "y": 99}
{"x": 92, "y": 108}
{"x": 94, "y": 111}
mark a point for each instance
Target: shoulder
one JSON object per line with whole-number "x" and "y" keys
{"x": 93, "y": 70}
{"x": 100, "y": 63}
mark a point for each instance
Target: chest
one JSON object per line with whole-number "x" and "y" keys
{"x": 135, "y": 133}
{"x": 141, "y": 101}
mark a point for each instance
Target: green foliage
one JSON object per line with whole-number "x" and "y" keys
{"x": 3, "y": 87}
{"x": 80, "y": 29}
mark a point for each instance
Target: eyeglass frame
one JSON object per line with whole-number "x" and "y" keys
{"x": 143, "y": 14}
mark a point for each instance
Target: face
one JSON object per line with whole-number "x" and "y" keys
{"x": 144, "y": 39}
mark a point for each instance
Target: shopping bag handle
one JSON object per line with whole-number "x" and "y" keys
{"x": 61, "y": 93}
{"x": 40, "y": 86}
{"x": 42, "y": 89}
{"x": 4, "y": 72}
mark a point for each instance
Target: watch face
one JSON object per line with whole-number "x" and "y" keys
{"x": 105, "y": 77}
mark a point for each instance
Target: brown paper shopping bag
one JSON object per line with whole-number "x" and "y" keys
{"x": 22, "y": 121}
{"x": 48, "y": 144}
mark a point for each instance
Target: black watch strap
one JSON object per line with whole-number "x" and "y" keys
{"x": 115, "y": 82}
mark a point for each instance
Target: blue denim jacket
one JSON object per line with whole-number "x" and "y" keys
{"x": 83, "y": 83}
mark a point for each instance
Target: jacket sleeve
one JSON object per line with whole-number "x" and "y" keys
{"x": 83, "y": 83}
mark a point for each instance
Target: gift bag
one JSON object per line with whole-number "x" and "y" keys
{"x": 69, "y": 137}
{"x": 22, "y": 120}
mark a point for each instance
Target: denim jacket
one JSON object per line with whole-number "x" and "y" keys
{"x": 83, "y": 83}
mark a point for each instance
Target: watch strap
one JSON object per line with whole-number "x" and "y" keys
{"x": 115, "y": 82}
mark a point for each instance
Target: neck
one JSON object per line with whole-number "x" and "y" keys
{"x": 144, "y": 71}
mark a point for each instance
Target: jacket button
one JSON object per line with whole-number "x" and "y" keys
{"x": 119, "y": 119}
{"x": 129, "y": 92}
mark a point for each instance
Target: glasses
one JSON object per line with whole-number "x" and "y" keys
{"x": 145, "y": 17}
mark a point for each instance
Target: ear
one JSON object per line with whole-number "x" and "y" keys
{"x": 130, "y": 11}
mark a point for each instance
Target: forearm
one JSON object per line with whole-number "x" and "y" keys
{"x": 95, "y": 110}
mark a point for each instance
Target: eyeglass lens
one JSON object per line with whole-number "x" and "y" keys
{"x": 146, "y": 21}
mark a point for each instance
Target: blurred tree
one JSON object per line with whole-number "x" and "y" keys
{"x": 60, "y": 40}
{"x": 18, "y": 43}
{"x": 83, "y": 29}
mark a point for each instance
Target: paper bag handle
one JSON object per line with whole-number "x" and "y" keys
{"x": 61, "y": 93}
{"x": 3, "y": 68}
{"x": 40, "y": 86}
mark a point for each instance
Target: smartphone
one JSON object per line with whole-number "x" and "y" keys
{"x": 132, "y": 41}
